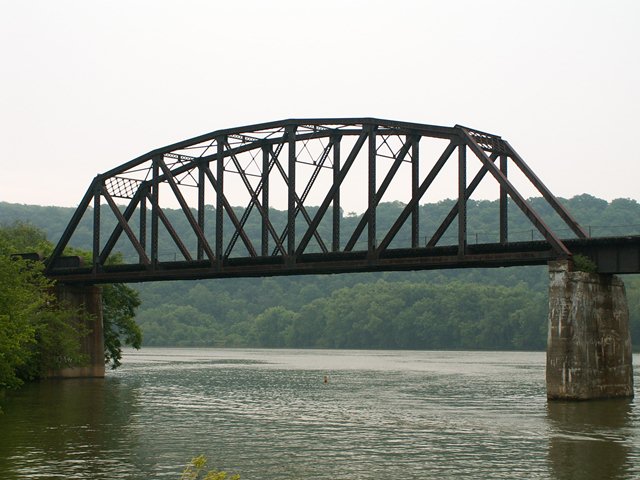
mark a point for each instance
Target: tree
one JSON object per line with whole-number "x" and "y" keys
{"x": 36, "y": 333}
{"x": 19, "y": 300}
{"x": 119, "y": 304}
{"x": 273, "y": 327}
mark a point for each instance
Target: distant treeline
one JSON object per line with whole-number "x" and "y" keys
{"x": 454, "y": 309}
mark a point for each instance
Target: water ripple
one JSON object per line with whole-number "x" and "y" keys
{"x": 269, "y": 415}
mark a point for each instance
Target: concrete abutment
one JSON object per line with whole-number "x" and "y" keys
{"x": 88, "y": 299}
{"x": 589, "y": 342}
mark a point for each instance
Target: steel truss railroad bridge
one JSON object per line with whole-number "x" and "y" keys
{"x": 286, "y": 160}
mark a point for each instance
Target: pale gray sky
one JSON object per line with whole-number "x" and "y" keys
{"x": 88, "y": 85}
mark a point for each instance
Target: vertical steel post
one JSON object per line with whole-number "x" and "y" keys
{"x": 504, "y": 232}
{"x": 96, "y": 227}
{"x": 415, "y": 185}
{"x": 143, "y": 223}
{"x": 219, "y": 198}
{"x": 291, "y": 209}
{"x": 266, "y": 156}
{"x": 201, "y": 200}
{"x": 155, "y": 212}
{"x": 462, "y": 202}
{"x": 371, "y": 221}
{"x": 335, "y": 246}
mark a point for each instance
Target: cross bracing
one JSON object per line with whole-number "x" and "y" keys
{"x": 224, "y": 181}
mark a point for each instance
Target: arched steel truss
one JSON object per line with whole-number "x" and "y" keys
{"x": 259, "y": 154}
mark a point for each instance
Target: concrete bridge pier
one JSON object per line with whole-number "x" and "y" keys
{"x": 87, "y": 298}
{"x": 589, "y": 343}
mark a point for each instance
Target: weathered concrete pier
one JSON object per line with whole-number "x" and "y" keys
{"x": 87, "y": 300}
{"x": 589, "y": 343}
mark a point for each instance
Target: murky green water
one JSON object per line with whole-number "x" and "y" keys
{"x": 268, "y": 414}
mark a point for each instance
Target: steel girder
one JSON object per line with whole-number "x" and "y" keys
{"x": 286, "y": 159}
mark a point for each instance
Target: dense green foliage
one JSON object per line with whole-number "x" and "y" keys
{"x": 347, "y": 311}
{"x": 409, "y": 315}
{"x": 493, "y": 309}
{"x": 37, "y": 333}
{"x": 119, "y": 303}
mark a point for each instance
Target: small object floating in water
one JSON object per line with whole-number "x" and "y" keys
{"x": 326, "y": 379}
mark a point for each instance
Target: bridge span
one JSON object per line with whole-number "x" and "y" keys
{"x": 310, "y": 164}
{"x": 610, "y": 255}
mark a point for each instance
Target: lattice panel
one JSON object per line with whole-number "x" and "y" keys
{"x": 489, "y": 143}
{"x": 122, "y": 187}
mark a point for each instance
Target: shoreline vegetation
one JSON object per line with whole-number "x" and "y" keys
{"x": 40, "y": 334}
{"x": 195, "y": 470}
{"x": 473, "y": 309}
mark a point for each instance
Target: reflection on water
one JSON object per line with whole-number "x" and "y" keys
{"x": 268, "y": 414}
{"x": 64, "y": 428}
{"x": 591, "y": 440}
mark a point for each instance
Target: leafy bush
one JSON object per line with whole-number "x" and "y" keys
{"x": 584, "y": 264}
{"x": 195, "y": 469}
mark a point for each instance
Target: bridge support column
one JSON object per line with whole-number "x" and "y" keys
{"x": 588, "y": 344}
{"x": 89, "y": 299}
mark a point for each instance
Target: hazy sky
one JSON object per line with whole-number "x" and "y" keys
{"x": 88, "y": 85}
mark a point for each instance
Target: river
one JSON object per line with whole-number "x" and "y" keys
{"x": 269, "y": 414}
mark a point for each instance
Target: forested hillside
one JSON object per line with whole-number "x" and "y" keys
{"x": 489, "y": 309}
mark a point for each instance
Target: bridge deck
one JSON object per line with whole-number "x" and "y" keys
{"x": 611, "y": 255}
